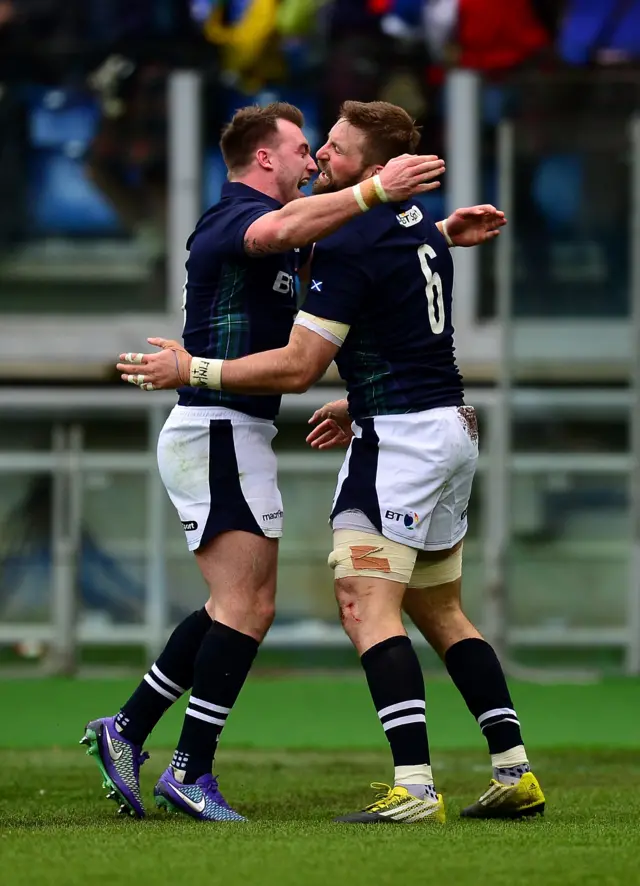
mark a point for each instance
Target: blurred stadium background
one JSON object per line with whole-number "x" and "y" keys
{"x": 109, "y": 118}
{"x": 110, "y": 114}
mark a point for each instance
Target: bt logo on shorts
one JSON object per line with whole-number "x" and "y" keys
{"x": 274, "y": 516}
{"x": 409, "y": 520}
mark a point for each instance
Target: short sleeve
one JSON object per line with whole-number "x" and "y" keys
{"x": 225, "y": 230}
{"x": 339, "y": 284}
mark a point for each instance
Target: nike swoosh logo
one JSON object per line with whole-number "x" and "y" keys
{"x": 197, "y": 807}
{"x": 115, "y": 755}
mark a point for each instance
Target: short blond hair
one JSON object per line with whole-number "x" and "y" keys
{"x": 389, "y": 129}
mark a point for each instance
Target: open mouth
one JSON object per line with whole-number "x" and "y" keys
{"x": 304, "y": 181}
{"x": 324, "y": 177}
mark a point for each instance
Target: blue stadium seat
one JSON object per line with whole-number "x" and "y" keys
{"x": 557, "y": 189}
{"x": 214, "y": 174}
{"x": 58, "y": 118}
{"x": 61, "y": 200}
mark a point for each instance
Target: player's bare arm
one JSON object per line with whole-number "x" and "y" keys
{"x": 303, "y": 221}
{"x": 170, "y": 368}
{"x": 289, "y": 370}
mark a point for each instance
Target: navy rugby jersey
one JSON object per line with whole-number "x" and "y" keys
{"x": 389, "y": 275}
{"x": 235, "y": 305}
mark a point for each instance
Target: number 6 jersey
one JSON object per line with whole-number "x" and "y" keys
{"x": 388, "y": 276}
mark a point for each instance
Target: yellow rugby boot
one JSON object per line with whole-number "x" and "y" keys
{"x": 397, "y": 806}
{"x": 525, "y": 798}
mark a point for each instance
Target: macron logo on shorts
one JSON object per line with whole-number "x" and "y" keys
{"x": 189, "y": 525}
{"x": 274, "y": 516}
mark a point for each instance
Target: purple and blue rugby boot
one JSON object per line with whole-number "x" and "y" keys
{"x": 202, "y": 800}
{"x": 119, "y": 761}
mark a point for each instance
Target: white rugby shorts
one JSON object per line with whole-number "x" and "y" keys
{"x": 409, "y": 477}
{"x": 220, "y": 472}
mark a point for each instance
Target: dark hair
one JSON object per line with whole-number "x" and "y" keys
{"x": 250, "y": 126}
{"x": 389, "y": 130}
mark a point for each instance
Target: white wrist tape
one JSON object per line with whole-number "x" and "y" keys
{"x": 380, "y": 191}
{"x": 206, "y": 373}
{"x": 357, "y": 193}
{"x": 450, "y": 242}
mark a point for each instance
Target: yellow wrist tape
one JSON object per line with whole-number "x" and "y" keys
{"x": 450, "y": 242}
{"x": 357, "y": 193}
{"x": 206, "y": 373}
{"x": 380, "y": 191}
{"x": 370, "y": 193}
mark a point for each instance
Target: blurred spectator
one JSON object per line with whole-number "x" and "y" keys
{"x": 245, "y": 31}
{"x": 487, "y": 35}
{"x": 602, "y": 31}
{"x": 142, "y": 42}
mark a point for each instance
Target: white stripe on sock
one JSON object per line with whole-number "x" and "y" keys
{"x": 495, "y": 723}
{"x": 403, "y": 721}
{"x": 156, "y": 670}
{"x": 208, "y": 706}
{"x": 200, "y": 716}
{"x": 402, "y": 706}
{"x": 496, "y": 712}
{"x": 159, "y": 688}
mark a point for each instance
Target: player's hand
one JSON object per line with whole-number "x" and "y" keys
{"x": 334, "y": 428}
{"x": 166, "y": 370}
{"x": 411, "y": 174}
{"x": 475, "y": 224}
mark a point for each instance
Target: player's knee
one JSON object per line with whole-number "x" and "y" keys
{"x": 248, "y": 612}
{"x": 260, "y": 610}
{"x": 265, "y": 611}
{"x": 357, "y": 555}
{"x": 349, "y": 602}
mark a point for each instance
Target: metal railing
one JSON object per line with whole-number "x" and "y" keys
{"x": 67, "y": 463}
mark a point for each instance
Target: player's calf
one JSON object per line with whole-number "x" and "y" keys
{"x": 370, "y": 609}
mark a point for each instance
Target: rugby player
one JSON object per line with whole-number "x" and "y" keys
{"x": 379, "y": 302}
{"x": 214, "y": 452}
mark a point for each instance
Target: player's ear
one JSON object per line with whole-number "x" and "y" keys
{"x": 264, "y": 159}
{"x": 373, "y": 170}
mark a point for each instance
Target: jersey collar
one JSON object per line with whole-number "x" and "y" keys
{"x": 238, "y": 190}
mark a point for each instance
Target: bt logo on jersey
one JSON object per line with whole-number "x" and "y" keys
{"x": 409, "y": 520}
{"x": 283, "y": 283}
{"x": 411, "y": 217}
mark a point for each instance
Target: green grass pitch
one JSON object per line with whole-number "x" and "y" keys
{"x": 298, "y": 751}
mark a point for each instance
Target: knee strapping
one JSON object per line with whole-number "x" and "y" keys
{"x": 429, "y": 575}
{"x": 365, "y": 555}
